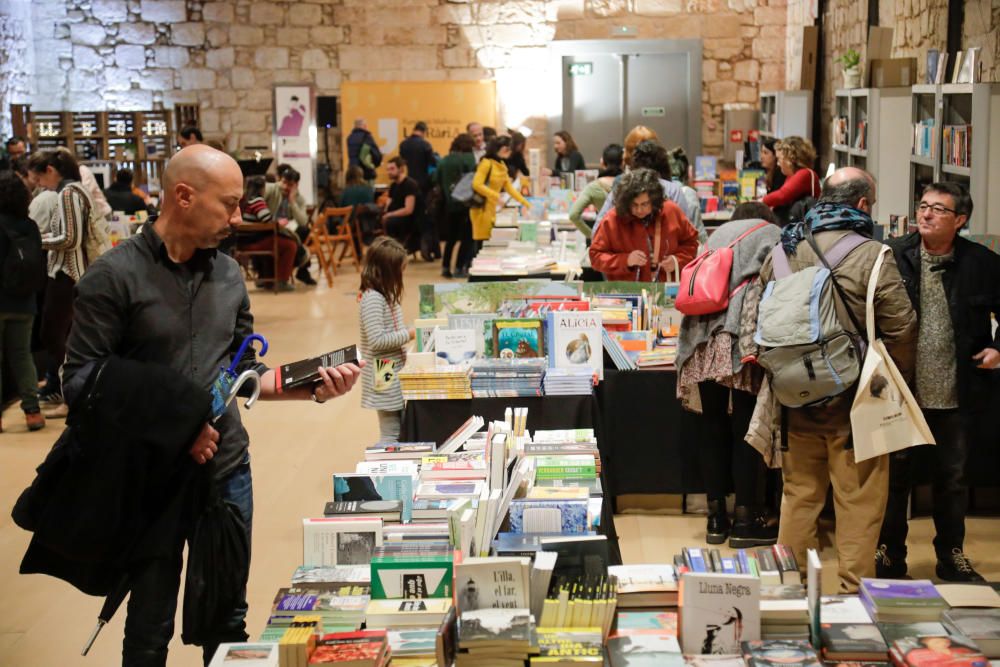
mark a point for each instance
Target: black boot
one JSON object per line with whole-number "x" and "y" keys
{"x": 956, "y": 566}
{"x": 752, "y": 529}
{"x": 718, "y": 522}
{"x": 889, "y": 565}
{"x": 304, "y": 277}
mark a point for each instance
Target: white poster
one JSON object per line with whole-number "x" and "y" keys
{"x": 295, "y": 135}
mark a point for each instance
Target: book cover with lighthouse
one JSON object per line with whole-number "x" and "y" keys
{"x": 492, "y": 583}
{"x": 718, "y": 612}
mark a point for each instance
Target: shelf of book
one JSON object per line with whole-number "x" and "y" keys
{"x": 952, "y": 128}
{"x": 786, "y": 113}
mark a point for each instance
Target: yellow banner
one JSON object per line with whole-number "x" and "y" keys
{"x": 392, "y": 108}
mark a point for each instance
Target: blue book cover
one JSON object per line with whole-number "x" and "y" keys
{"x": 375, "y": 487}
{"x": 729, "y": 566}
{"x": 566, "y": 516}
{"x": 696, "y": 559}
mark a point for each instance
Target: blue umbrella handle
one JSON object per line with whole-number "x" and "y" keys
{"x": 243, "y": 348}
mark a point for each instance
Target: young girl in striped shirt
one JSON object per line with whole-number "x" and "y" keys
{"x": 383, "y": 334}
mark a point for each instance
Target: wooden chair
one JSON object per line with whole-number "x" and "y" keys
{"x": 243, "y": 257}
{"x": 319, "y": 245}
{"x": 344, "y": 237}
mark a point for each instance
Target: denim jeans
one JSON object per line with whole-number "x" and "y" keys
{"x": 15, "y": 336}
{"x": 950, "y": 493}
{"x": 152, "y": 604}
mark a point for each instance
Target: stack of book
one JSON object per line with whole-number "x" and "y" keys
{"x": 495, "y": 637}
{"x": 945, "y": 649}
{"x": 619, "y": 358}
{"x": 645, "y": 638}
{"x": 784, "y": 612}
{"x": 419, "y": 613}
{"x": 771, "y": 653}
{"x": 847, "y": 633}
{"x": 901, "y": 601}
{"x": 982, "y": 626}
{"x": 839, "y": 130}
{"x": 568, "y": 381}
{"x": 507, "y": 377}
{"x": 641, "y": 586}
{"x": 337, "y": 611}
{"x": 435, "y": 382}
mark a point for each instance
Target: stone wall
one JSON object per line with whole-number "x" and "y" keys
{"x": 982, "y": 29}
{"x": 226, "y": 54}
{"x": 16, "y": 56}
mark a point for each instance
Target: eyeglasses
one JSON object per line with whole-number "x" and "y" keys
{"x": 936, "y": 209}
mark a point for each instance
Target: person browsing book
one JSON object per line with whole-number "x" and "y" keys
{"x": 801, "y": 187}
{"x": 166, "y": 296}
{"x": 384, "y": 335}
{"x": 643, "y": 234}
{"x": 490, "y": 181}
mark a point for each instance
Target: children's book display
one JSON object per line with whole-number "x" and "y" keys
{"x": 501, "y": 562}
{"x": 534, "y": 338}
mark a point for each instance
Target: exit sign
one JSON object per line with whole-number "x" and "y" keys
{"x": 581, "y": 69}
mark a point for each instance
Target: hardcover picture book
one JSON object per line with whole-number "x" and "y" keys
{"x": 482, "y": 324}
{"x": 518, "y": 338}
{"x": 719, "y": 612}
{"x": 575, "y": 340}
{"x": 454, "y": 346}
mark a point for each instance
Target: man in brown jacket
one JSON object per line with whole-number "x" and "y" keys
{"x": 819, "y": 438}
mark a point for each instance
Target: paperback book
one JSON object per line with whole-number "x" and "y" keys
{"x": 492, "y": 583}
{"x": 347, "y": 487}
{"x": 719, "y": 612}
{"x": 337, "y": 541}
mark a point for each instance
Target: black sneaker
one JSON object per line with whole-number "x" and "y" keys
{"x": 887, "y": 567}
{"x": 717, "y": 529}
{"x": 957, "y": 567}
{"x": 751, "y": 529}
{"x": 49, "y": 399}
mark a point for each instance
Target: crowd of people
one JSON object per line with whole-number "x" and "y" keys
{"x": 933, "y": 300}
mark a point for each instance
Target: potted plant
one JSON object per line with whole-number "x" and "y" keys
{"x": 852, "y": 70}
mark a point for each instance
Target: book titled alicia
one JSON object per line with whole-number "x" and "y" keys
{"x": 718, "y": 612}
{"x": 575, "y": 340}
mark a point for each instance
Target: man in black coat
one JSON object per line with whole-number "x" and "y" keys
{"x": 419, "y": 156}
{"x": 167, "y": 296}
{"x": 954, "y": 285}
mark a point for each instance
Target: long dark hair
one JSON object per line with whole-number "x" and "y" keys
{"x": 567, "y": 138}
{"x": 382, "y": 269}
{"x": 463, "y": 143}
{"x": 494, "y": 145}
{"x": 633, "y": 184}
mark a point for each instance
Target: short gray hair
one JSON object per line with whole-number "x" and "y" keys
{"x": 848, "y": 192}
{"x": 359, "y": 122}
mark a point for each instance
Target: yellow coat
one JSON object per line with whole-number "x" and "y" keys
{"x": 484, "y": 217}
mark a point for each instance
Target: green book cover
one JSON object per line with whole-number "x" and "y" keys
{"x": 408, "y": 576}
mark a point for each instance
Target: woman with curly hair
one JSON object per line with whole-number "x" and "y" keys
{"x": 640, "y": 235}
{"x": 795, "y": 159}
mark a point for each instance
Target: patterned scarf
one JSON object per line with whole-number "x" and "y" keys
{"x": 825, "y": 217}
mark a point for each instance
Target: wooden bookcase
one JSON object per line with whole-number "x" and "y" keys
{"x": 786, "y": 113}
{"x": 142, "y": 141}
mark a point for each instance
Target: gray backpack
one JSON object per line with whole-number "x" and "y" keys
{"x": 808, "y": 354}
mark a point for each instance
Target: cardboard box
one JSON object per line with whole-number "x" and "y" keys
{"x": 879, "y": 48}
{"x": 807, "y": 64}
{"x": 893, "y": 72}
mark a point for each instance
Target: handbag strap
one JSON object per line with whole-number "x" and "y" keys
{"x": 833, "y": 277}
{"x": 870, "y": 297}
{"x": 761, "y": 225}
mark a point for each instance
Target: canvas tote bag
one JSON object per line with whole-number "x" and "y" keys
{"x": 885, "y": 416}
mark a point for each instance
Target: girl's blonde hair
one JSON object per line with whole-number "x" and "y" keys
{"x": 382, "y": 269}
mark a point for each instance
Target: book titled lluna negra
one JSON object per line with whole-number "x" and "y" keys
{"x": 575, "y": 340}
{"x": 718, "y": 612}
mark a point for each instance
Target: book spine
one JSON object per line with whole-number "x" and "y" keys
{"x": 694, "y": 558}
{"x": 715, "y": 560}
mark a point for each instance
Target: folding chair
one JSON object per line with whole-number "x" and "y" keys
{"x": 318, "y": 244}
{"x": 344, "y": 237}
{"x": 244, "y": 257}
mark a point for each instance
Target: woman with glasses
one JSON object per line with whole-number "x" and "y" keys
{"x": 643, "y": 234}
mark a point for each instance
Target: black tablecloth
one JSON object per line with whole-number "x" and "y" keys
{"x": 426, "y": 421}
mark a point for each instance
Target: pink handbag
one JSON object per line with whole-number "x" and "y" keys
{"x": 704, "y": 287}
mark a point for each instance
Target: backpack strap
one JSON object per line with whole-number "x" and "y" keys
{"x": 834, "y": 256}
{"x": 842, "y": 247}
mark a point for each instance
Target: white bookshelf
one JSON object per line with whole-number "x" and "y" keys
{"x": 786, "y": 113}
{"x": 881, "y": 110}
{"x": 976, "y": 105}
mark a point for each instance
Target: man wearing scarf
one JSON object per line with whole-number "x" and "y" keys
{"x": 819, "y": 438}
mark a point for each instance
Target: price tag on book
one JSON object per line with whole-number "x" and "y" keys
{"x": 433, "y": 459}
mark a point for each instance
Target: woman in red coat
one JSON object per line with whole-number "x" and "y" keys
{"x": 638, "y": 237}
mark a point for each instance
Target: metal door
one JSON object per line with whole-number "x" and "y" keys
{"x": 656, "y": 96}
{"x": 592, "y": 103}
